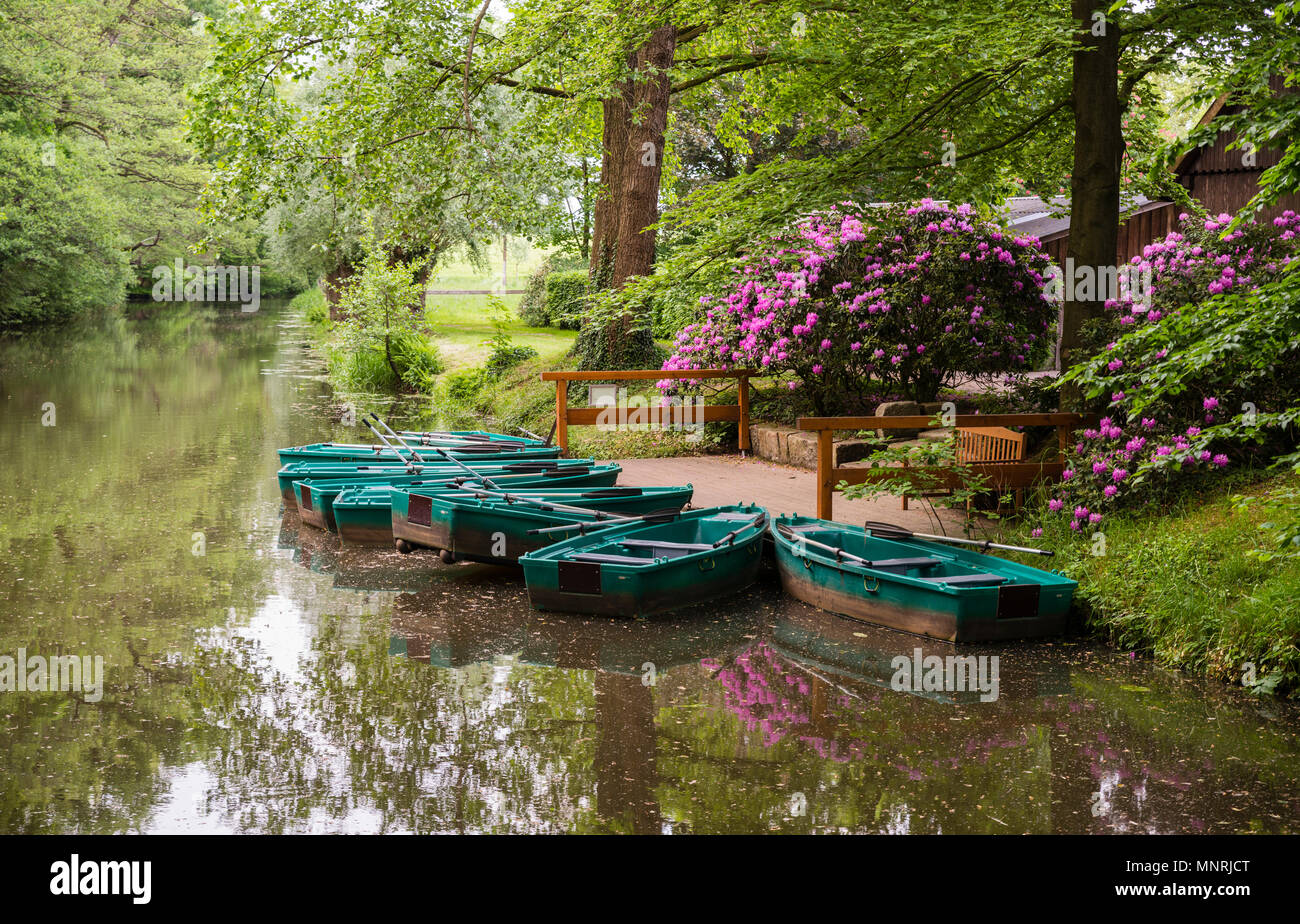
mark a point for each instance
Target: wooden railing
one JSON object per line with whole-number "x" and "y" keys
{"x": 1001, "y": 475}
{"x": 566, "y": 417}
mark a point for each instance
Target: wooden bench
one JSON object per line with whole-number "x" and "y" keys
{"x": 989, "y": 446}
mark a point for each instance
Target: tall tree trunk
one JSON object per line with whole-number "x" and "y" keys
{"x": 609, "y": 193}
{"x": 1095, "y": 181}
{"x": 643, "y": 161}
{"x": 627, "y": 204}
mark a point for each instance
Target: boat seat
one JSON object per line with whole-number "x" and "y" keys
{"x": 969, "y": 580}
{"x": 659, "y": 544}
{"x": 611, "y": 559}
{"x": 905, "y": 563}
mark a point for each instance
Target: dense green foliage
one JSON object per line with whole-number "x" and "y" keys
{"x": 99, "y": 185}
{"x": 566, "y": 299}
{"x": 615, "y": 335}
{"x": 59, "y": 248}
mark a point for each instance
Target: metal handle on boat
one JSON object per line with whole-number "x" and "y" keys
{"x": 872, "y": 587}
{"x": 712, "y": 564}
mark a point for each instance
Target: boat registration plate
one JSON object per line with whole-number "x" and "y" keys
{"x": 1016, "y": 601}
{"x": 419, "y": 510}
{"x": 579, "y": 577}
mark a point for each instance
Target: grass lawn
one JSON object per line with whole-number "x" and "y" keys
{"x": 463, "y": 322}
{"x": 458, "y": 272}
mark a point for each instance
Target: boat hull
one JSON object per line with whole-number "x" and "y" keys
{"x": 396, "y": 473}
{"x": 559, "y": 582}
{"x": 326, "y": 452}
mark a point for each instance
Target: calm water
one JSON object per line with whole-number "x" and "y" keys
{"x": 278, "y": 683}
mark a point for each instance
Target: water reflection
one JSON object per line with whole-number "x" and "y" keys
{"x": 280, "y": 682}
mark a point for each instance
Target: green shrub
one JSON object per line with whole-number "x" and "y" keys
{"x": 382, "y": 311}
{"x": 506, "y": 355}
{"x": 314, "y": 306}
{"x": 566, "y": 298}
{"x": 417, "y": 360}
{"x": 532, "y": 306}
{"x": 464, "y": 385}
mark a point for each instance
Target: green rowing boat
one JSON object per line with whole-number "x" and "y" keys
{"x": 364, "y": 515}
{"x": 641, "y": 569}
{"x": 314, "y": 497}
{"x": 358, "y": 473}
{"x": 468, "y": 451}
{"x": 494, "y": 528}
{"x": 915, "y": 585}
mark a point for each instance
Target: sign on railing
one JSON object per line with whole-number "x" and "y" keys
{"x": 672, "y": 414}
{"x": 1001, "y": 475}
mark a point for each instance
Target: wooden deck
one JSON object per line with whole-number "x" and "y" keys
{"x": 779, "y": 488}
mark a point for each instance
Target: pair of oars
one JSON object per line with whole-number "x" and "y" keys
{"x": 491, "y": 489}
{"x": 886, "y": 531}
{"x": 658, "y": 516}
{"x": 890, "y": 531}
{"x": 410, "y": 467}
{"x": 467, "y": 443}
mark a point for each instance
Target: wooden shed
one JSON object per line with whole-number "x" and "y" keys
{"x": 1221, "y": 180}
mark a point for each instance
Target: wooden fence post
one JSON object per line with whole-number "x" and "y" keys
{"x": 825, "y": 473}
{"x": 562, "y": 415}
{"x": 744, "y": 415}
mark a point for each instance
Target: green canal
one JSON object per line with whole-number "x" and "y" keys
{"x": 258, "y": 677}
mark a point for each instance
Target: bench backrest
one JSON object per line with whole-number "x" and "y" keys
{"x": 989, "y": 444}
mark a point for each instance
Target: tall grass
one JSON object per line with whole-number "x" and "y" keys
{"x": 1188, "y": 587}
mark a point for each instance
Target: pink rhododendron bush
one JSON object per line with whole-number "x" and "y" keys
{"x": 1203, "y": 258}
{"x": 1198, "y": 388}
{"x": 902, "y": 300}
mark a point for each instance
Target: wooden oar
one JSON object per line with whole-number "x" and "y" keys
{"x": 890, "y": 531}
{"x": 395, "y": 435}
{"x": 667, "y": 515}
{"x": 442, "y": 452}
{"x": 731, "y": 536}
{"x": 415, "y": 455}
{"x": 541, "y": 505}
{"x": 410, "y": 465}
{"x": 465, "y": 440}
